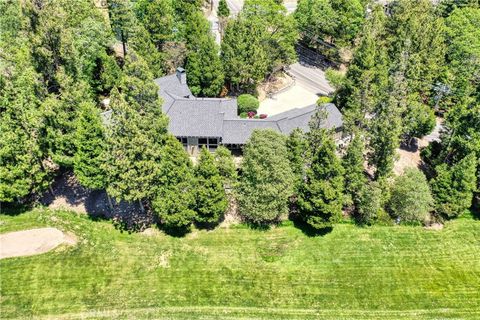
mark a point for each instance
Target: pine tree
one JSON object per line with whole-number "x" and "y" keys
{"x": 320, "y": 197}
{"x": 90, "y": 145}
{"x": 386, "y": 127}
{"x": 122, "y": 20}
{"x": 297, "y": 150}
{"x": 135, "y": 136}
{"x": 59, "y": 112}
{"x": 158, "y": 17}
{"x": 174, "y": 201}
{"x": 211, "y": 200}
{"x": 266, "y": 182}
{"x": 353, "y": 163}
{"x": 453, "y": 187}
{"x": 205, "y": 74}
{"x": 23, "y": 170}
{"x": 367, "y": 76}
{"x": 417, "y": 36}
{"x": 259, "y": 41}
{"x": 223, "y": 9}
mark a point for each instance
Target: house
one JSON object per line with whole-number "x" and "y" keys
{"x": 211, "y": 122}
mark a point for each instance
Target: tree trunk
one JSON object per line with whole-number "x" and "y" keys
{"x": 142, "y": 208}
{"x": 110, "y": 202}
{"x": 123, "y": 45}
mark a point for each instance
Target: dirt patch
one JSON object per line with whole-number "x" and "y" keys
{"x": 33, "y": 241}
{"x": 410, "y": 157}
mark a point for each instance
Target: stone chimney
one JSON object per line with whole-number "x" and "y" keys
{"x": 182, "y": 75}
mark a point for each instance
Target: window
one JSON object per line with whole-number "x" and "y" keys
{"x": 202, "y": 141}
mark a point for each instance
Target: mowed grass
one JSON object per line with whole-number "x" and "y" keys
{"x": 240, "y": 273}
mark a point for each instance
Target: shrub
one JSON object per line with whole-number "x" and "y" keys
{"x": 324, "y": 100}
{"x": 335, "y": 78}
{"x": 263, "y": 116}
{"x": 247, "y": 103}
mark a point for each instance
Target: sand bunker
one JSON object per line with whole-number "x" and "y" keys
{"x": 33, "y": 241}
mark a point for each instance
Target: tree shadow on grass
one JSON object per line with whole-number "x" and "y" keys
{"x": 476, "y": 207}
{"x": 309, "y": 231}
{"x": 14, "y": 209}
{"x": 259, "y": 226}
{"x": 177, "y": 232}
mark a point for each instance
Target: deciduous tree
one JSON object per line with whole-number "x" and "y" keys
{"x": 411, "y": 199}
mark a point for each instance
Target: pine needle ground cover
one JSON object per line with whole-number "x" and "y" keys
{"x": 240, "y": 273}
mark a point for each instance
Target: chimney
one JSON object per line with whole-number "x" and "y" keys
{"x": 182, "y": 75}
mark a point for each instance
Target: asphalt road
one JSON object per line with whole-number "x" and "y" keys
{"x": 310, "y": 78}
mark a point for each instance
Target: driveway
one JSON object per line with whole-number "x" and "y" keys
{"x": 295, "y": 97}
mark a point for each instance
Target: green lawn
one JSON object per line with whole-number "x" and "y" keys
{"x": 240, "y": 273}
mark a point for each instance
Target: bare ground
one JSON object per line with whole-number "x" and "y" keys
{"x": 32, "y": 242}
{"x": 410, "y": 157}
{"x": 68, "y": 194}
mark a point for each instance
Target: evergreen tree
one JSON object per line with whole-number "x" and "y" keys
{"x": 205, "y": 74}
{"x": 297, "y": 150}
{"x": 122, "y": 19}
{"x": 226, "y": 166}
{"x": 67, "y": 37}
{"x": 90, "y": 145}
{"x": 320, "y": 196}
{"x": 367, "y": 76}
{"x": 60, "y": 112}
{"x": 158, "y": 17}
{"x": 211, "y": 200}
{"x": 463, "y": 52}
{"x": 223, "y": 9}
{"x": 411, "y": 199}
{"x": 135, "y": 136}
{"x": 23, "y": 169}
{"x": 259, "y": 41}
{"x": 266, "y": 181}
{"x": 386, "y": 128}
{"x": 453, "y": 187}
{"x": 353, "y": 163}
{"x": 142, "y": 44}
{"x": 333, "y": 21}
{"x": 174, "y": 200}
{"x": 417, "y": 36}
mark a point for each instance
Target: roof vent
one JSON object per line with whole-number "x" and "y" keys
{"x": 182, "y": 75}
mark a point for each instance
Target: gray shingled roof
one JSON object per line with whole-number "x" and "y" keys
{"x": 237, "y": 131}
{"x": 211, "y": 117}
